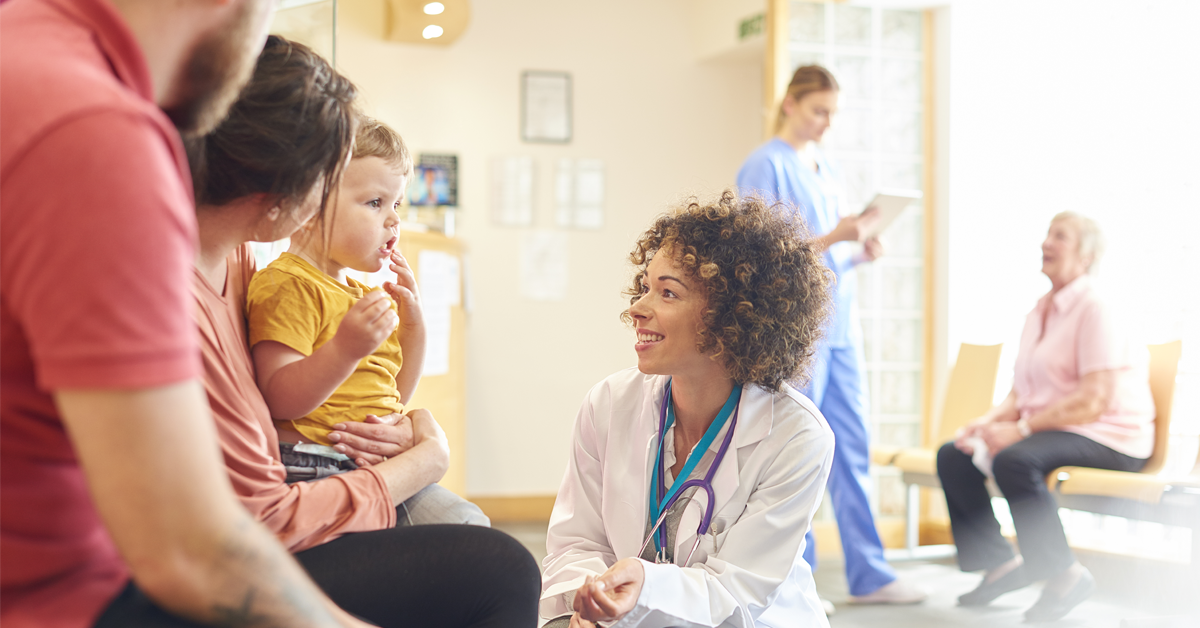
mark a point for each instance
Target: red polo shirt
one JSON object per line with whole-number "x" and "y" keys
{"x": 97, "y": 236}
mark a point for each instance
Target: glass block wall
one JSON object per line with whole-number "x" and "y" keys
{"x": 876, "y": 55}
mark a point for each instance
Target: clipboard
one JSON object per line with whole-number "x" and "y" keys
{"x": 890, "y": 204}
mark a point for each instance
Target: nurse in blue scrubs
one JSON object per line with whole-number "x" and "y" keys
{"x": 792, "y": 168}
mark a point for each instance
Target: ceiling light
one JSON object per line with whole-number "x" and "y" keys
{"x": 430, "y": 23}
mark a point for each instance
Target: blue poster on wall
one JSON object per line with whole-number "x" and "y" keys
{"x": 435, "y": 181}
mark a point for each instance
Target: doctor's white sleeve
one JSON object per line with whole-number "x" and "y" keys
{"x": 754, "y": 556}
{"x": 576, "y": 543}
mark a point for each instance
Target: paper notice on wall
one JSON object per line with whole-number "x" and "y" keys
{"x": 512, "y": 191}
{"x": 564, "y": 193}
{"x": 544, "y": 265}
{"x": 579, "y": 193}
{"x": 546, "y": 107}
{"x": 589, "y": 194}
{"x": 440, "y": 286}
{"x": 439, "y": 281}
{"x": 437, "y": 339}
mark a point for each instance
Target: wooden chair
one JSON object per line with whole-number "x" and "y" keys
{"x": 1146, "y": 495}
{"x": 1143, "y": 495}
{"x": 969, "y": 394}
{"x": 1164, "y": 366}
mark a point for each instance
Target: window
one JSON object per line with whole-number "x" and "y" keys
{"x": 878, "y": 59}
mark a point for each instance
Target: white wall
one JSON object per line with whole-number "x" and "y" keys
{"x": 664, "y": 124}
{"x": 1086, "y": 105}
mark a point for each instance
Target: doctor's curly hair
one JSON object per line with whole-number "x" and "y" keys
{"x": 769, "y": 291}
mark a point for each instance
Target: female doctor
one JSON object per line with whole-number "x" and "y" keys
{"x": 791, "y": 168}
{"x": 693, "y": 478}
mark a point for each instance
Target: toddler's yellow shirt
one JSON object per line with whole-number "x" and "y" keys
{"x": 293, "y": 303}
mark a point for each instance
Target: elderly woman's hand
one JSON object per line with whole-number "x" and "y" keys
{"x": 964, "y": 438}
{"x": 965, "y": 442}
{"x": 999, "y": 435}
{"x": 373, "y": 440}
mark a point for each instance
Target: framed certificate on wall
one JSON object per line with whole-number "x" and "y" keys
{"x": 546, "y": 107}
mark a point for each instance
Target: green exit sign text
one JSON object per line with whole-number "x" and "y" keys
{"x": 751, "y": 26}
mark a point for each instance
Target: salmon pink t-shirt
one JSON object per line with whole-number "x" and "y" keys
{"x": 97, "y": 236}
{"x": 1078, "y": 338}
{"x": 303, "y": 514}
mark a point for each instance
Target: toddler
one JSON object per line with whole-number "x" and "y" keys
{"x": 327, "y": 348}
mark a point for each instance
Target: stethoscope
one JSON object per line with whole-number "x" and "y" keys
{"x": 659, "y": 504}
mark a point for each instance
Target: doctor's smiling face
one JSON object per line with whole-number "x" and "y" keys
{"x": 667, "y": 320}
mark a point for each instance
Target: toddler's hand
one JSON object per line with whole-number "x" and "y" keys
{"x": 404, "y": 290}
{"x": 368, "y": 323}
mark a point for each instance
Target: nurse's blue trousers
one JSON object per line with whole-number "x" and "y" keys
{"x": 838, "y": 389}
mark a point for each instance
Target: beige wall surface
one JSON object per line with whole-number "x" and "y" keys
{"x": 664, "y": 123}
{"x": 714, "y": 28}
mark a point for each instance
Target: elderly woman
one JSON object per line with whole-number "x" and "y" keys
{"x": 693, "y": 478}
{"x": 1080, "y": 397}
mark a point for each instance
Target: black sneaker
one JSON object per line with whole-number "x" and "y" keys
{"x": 988, "y": 591}
{"x": 1050, "y": 607}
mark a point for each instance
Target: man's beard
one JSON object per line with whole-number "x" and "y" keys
{"x": 216, "y": 70}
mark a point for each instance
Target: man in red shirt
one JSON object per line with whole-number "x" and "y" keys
{"x": 114, "y": 505}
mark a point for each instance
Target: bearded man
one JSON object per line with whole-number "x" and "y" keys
{"x": 115, "y": 509}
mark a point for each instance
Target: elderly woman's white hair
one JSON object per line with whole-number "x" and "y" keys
{"x": 1091, "y": 240}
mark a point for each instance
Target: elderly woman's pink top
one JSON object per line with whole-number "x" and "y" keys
{"x": 1079, "y": 338}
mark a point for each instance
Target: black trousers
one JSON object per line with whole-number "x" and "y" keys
{"x": 431, "y": 575}
{"x": 1020, "y": 471}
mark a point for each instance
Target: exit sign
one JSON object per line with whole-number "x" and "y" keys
{"x": 751, "y": 26}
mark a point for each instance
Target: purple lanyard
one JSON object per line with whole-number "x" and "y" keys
{"x": 660, "y": 534}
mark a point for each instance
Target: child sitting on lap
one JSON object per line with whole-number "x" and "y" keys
{"x": 327, "y": 348}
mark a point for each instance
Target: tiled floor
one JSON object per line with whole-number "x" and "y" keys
{"x": 1129, "y": 591}
{"x": 945, "y": 583}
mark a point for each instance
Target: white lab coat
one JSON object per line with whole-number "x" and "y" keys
{"x": 748, "y": 570}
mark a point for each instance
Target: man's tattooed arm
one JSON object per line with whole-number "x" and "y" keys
{"x": 159, "y": 482}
